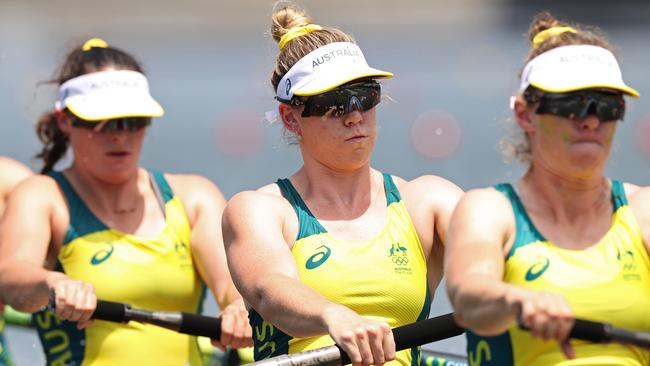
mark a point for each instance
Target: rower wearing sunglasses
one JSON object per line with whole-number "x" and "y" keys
{"x": 564, "y": 241}
{"x": 338, "y": 251}
{"x": 106, "y": 228}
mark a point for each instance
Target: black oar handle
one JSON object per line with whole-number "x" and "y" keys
{"x": 598, "y": 332}
{"x": 186, "y": 323}
{"x": 407, "y": 336}
{"x": 110, "y": 311}
{"x": 419, "y": 333}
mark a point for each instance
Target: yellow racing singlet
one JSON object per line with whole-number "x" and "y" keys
{"x": 607, "y": 282}
{"x": 151, "y": 273}
{"x": 384, "y": 278}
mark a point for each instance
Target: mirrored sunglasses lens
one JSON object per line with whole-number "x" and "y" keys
{"x": 607, "y": 107}
{"x": 344, "y": 100}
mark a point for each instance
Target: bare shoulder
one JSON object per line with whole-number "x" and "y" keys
{"x": 429, "y": 190}
{"x": 38, "y": 191}
{"x": 267, "y": 199}
{"x": 485, "y": 210}
{"x": 263, "y": 206}
{"x": 11, "y": 173}
{"x": 428, "y": 184}
{"x": 484, "y": 199}
{"x": 639, "y": 201}
{"x": 194, "y": 187}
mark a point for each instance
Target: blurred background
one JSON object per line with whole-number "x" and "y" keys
{"x": 208, "y": 63}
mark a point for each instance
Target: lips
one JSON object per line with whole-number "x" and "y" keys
{"x": 356, "y": 138}
{"x": 118, "y": 153}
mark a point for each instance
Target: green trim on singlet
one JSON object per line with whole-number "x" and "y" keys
{"x": 392, "y": 193}
{"x": 82, "y": 220}
{"x": 526, "y": 232}
{"x": 308, "y": 224}
{"x": 618, "y": 195}
{"x": 163, "y": 185}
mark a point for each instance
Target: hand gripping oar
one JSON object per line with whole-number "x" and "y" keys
{"x": 407, "y": 336}
{"x": 193, "y": 324}
{"x": 443, "y": 327}
{"x": 598, "y": 332}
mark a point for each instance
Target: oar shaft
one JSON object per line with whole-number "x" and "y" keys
{"x": 406, "y": 336}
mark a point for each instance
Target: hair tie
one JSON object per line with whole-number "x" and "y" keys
{"x": 296, "y": 32}
{"x": 548, "y": 33}
{"x": 94, "y": 43}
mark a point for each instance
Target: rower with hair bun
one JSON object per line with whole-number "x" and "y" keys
{"x": 339, "y": 251}
{"x": 565, "y": 241}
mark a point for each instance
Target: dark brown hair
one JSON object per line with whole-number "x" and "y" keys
{"x": 77, "y": 62}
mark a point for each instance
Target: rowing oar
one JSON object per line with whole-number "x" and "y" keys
{"x": 598, "y": 332}
{"x": 407, "y": 336}
{"x": 193, "y": 324}
{"x": 443, "y": 327}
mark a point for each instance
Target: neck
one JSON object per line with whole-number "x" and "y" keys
{"x": 341, "y": 191}
{"x": 118, "y": 198}
{"x": 566, "y": 197}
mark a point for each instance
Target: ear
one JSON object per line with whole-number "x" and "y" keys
{"x": 63, "y": 121}
{"x": 290, "y": 120}
{"x": 523, "y": 114}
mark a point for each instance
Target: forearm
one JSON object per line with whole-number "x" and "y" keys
{"x": 225, "y": 293}
{"x": 26, "y": 287}
{"x": 293, "y": 307}
{"x": 484, "y": 305}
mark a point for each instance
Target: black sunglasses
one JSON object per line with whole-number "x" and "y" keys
{"x": 130, "y": 124}
{"x": 360, "y": 96}
{"x": 607, "y": 106}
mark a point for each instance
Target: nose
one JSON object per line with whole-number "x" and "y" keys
{"x": 352, "y": 118}
{"x": 590, "y": 122}
{"x": 118, "y": 136}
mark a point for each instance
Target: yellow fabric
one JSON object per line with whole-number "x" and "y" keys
{"x": 94, "y": 43}
{"x": 548, "y": 33}
{"x": 608, "y": 282}
{"x": 384, "y": 278}
{"x": 150, "y": 273}
{"x": 296, "y": 32}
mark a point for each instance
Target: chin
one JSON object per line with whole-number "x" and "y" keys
{"x": 118, "y": 174}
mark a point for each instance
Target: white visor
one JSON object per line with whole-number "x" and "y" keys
{"x": 324, "y": 69}
{"x": 570, "y": 68}
{"x": 108, "y": 94}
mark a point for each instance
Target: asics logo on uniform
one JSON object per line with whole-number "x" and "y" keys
{"x": 318, "y": 258}
{"x": 537, "y": 269}
{"x": 102, "y": 255}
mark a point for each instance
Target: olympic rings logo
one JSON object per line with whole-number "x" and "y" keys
{"x": 400, "y": 261}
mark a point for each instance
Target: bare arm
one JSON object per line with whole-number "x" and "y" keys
{"x": 480, "y": 228}
{"x": 25, "y": 236}
{"x": 639, "y": 200}
{"x": 25, "y": 233}
{"x": 257, "y": 230}
{"x": 204, "y": 204}
{"x": 11, "y": 173}
{"x": 430, "y": 201}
